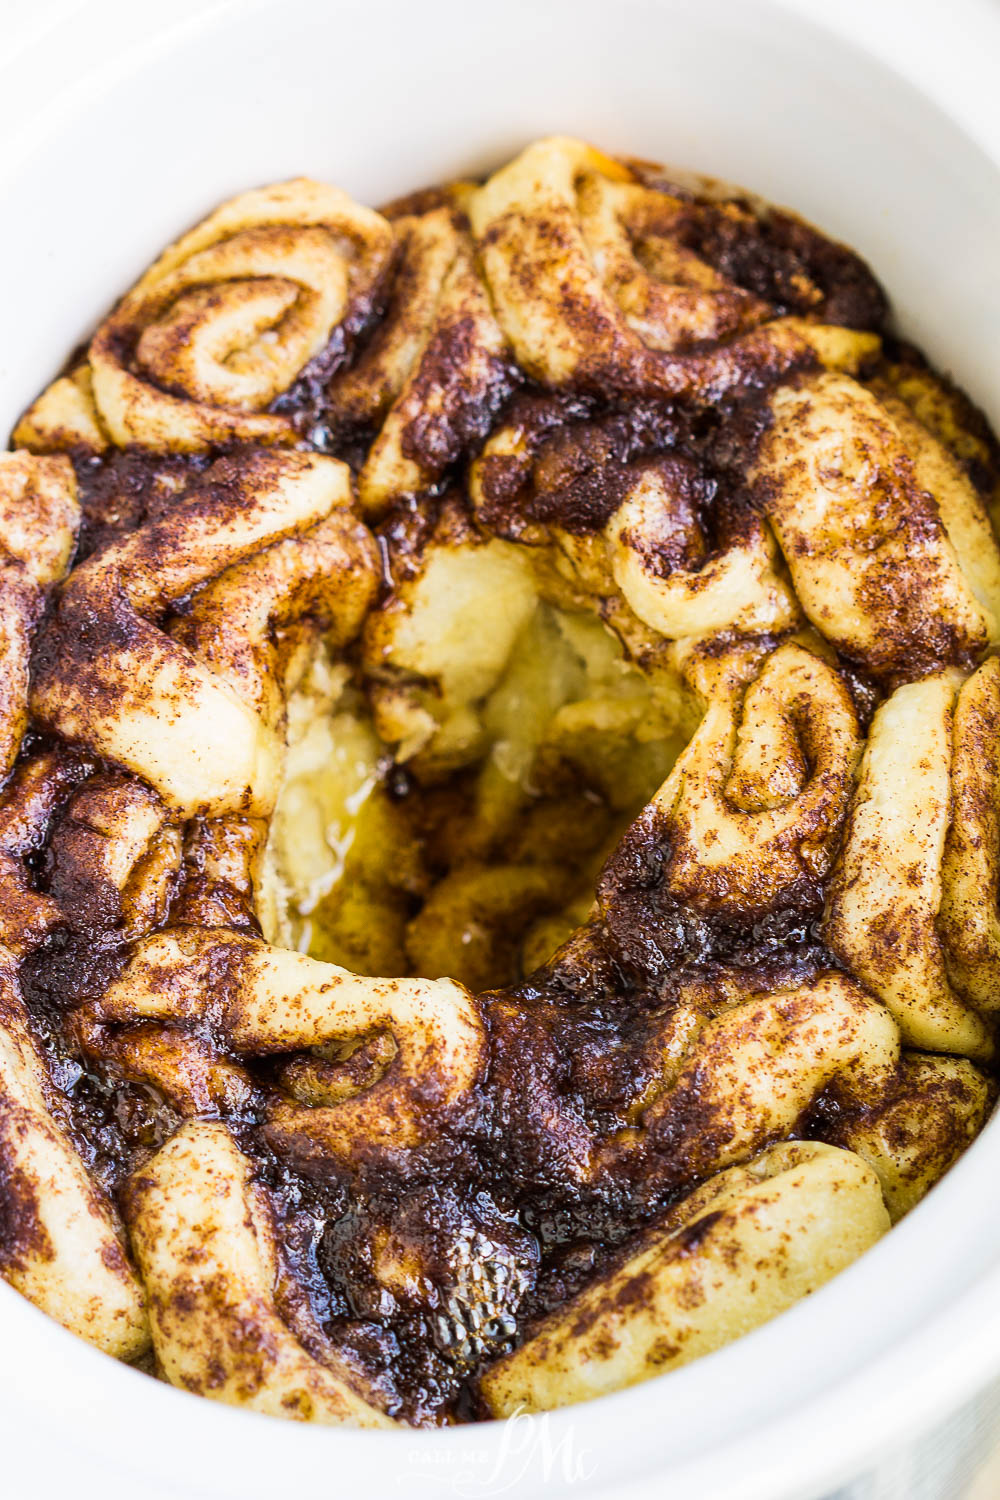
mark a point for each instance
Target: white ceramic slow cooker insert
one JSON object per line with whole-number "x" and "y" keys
{"x": 121, "y": 124}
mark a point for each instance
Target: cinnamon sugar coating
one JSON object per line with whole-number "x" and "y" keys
{"x": 499, "y": 827}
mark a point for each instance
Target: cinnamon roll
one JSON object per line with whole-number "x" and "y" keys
{"x": 60, "y": 1246}
{"x": 231, "y": 314}
{"x": 222, "y": 755}
{"x": 886, "y": 891}
{"x": 593, "y": 284}
{"x": 889, "y": 545}
{"x": 204, "y": 1242}
{"x": 438, "y": 368}
{"x": 745, "y": 1245}
{"x": 499, "y": 793}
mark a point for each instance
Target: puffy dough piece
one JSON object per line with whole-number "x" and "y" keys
{"x": 58, "y": 1246}
{"x": 886, "y": 891}
{"x": 39, "y": 517}
{"x": 938, "y": 471}
{"x": 109, "y": 678}
{"x": 324, "y": 578}
{"x": 751, "y": 813}
{"x": 63, "y": 417}
{"x": 666, "y": 294}
{"x": 741, "y": 1249}
{"x": 638, "y": 519}
{"x": 113, "y": 857}
{"x": 723, "y": 1087}
{"x": 229, "y": 315}
{"x": 899, "y": 579}
{"x": 945, "y": 412}
{"x": 918, "y": 1127}
{"x": 203, "y": 1238}
{"x": 253, "y": 627}
{"x": 739, "y": 587}
{"x": 454, "y": 384}
{"x": 271, "y": 1000}
{"x": 555, "y": 230}
{"x": 968, "y": 921}
{"x": 752, "y": 1072}
{"x": 424, "y": 247}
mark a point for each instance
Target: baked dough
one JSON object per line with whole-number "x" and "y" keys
{"x": 499, "y": 793}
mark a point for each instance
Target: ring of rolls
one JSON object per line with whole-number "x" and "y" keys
{"x": 321, "y": 456}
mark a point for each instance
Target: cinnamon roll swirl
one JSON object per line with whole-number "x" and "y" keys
{"x": 593, "y": 284}
{"x": 222, "y": 756}
{"x": 751, "y": 814}
{"x": 438, "y": 367}
{"x": 499, "y": 793}
{"x": 889, "y": 545}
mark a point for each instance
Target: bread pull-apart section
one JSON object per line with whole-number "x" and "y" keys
{"x": 39, "y": 517}
{"x": 221, "y": 874}
{"x": 707, "y": 1090}
{"x": 884, "y": 902}
{"x": 246, "y": 623}
{"x": 675, "y": 585}
{"x": 437, "y": 368}
{"x": 915, "y": 1128}
{"x": 967, "y": 918}
{"x": 58, "y": 1244}
{"x": 748, "y": 1075}
{"x": 222, "y": 324}
{"x": 946, "y": 412}
{"x": 753, "y": 1070}
{"x": 425, "y": 240}
{"x": 265, "y": 1000}
{"x": 595, "y": 289}
{"x": 889, "y": 545}
{"x": 206, "y": 1248}
{"x": 648, "y": 528}
{"x": 37, "y": 787}
{"x": 749, "y": 818}
{"x": 114, "y": 857}
{"x": 442, "y": 642}
{"x": 742, "y": 1248}
{"x": 110, "y": 678}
